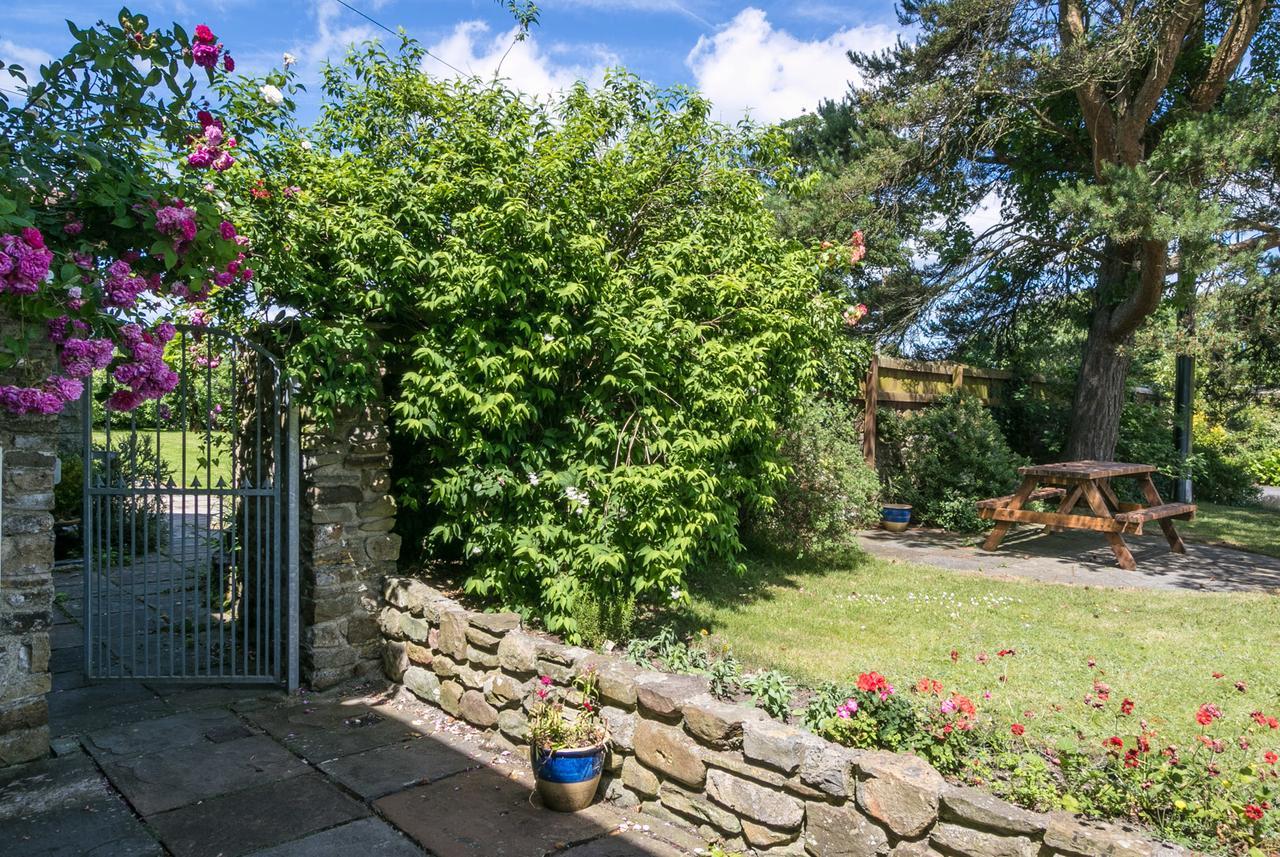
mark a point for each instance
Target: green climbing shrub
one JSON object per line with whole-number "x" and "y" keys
{"x": 591, "y": 329}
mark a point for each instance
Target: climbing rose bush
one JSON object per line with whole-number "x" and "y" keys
{"x": 114, "y": 176}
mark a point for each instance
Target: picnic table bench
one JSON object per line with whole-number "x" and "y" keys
{"x": 1087, "y": 482}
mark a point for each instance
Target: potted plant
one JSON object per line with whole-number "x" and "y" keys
{"x": 567, "y": 744}
{"x": 895, "y": 517}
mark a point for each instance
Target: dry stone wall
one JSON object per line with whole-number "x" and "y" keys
{"x": 346, "y": 544}
{"x": 26, "y": 577}
{"x": 738, "y": 776}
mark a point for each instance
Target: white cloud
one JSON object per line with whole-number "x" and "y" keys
{"x": 986, "y": 213}
{"x": 331, "y": 39}
{"x": 750, "y": 66}
{"x": 29, "y": 58}
{"x": 530, "y": 65}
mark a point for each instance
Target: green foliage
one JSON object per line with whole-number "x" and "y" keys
{"x": 601, "y": 622}
{"x": 591, "y": 328}
{"x": 1264, "y": 467}
{"x": 1218, "y": 474}
{"x": 830, "y": 492}
{"x": 822, "y": 705}
{"x": 68, "y": 494}
{"x": 772, "y": 691}
{"x": 725, "y": 676}
{"x": 944, "y": 459}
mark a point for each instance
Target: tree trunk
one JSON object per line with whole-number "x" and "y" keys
{"x": 1100, "y": 393}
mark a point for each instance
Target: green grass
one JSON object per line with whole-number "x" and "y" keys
{"x": 1251, "y": 528}
{"x": 171, "y": 451}
{"x": 834, "y": 619}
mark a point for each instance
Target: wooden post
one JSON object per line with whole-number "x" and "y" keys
{"x": 957, "y": 377}
{"x": 869, "y": 413}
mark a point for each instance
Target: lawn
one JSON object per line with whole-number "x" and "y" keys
{"x": 834, "y": 619}
{"x": 171, "y": 452}
{"x": 1251, "y": 528}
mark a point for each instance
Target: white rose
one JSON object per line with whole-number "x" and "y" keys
{"x": 306, "y": 145}
{"x": 272, "y": 95}
{"x": 289, "y": 59}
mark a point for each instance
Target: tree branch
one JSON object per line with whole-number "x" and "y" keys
{"x": 1125, "y": 319}
{"x": 1098, "y": 119}
{"x": 1168, "y": 47}
{"x": 1232, "y": 47}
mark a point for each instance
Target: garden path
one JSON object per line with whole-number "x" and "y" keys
{"x": 146, "y": 768}
{"x": 1079, "y": 558}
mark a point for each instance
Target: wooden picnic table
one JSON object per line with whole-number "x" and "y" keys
{"x": 1087, "y": 482}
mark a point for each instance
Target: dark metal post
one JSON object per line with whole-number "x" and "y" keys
{"x": 293, "y": 462}
{"x": 1182, "y": 407}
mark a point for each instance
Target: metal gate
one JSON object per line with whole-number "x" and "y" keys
{"x": 190, "y": 521}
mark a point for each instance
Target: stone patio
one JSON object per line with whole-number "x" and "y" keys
{"x": 220, "y": 772}
{"x": 1083, "y": 558}
{"x": 149, "y": 768}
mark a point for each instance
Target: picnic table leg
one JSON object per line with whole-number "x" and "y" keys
{"x": 1099, "y": 506}
{"x": 1002, "y": 527}
{"x": 1068, "y": 503}
{"x": 1104, "y": 486}
{"x": 1152, "y": 495}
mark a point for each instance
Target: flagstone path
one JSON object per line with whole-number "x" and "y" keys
{"x": 144, "y": 769}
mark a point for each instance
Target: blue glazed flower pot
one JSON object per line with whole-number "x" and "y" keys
{"x": 895, "y": 517}
{"x": 567, "y": 779}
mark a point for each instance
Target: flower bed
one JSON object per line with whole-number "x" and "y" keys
{"x": 741, "y": 777}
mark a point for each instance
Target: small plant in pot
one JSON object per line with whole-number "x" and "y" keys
{"x": 567, "y": 743}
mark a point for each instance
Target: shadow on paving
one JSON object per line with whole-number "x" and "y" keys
{"x": 225, "y": 772}
{"x": 1084, "y": 558}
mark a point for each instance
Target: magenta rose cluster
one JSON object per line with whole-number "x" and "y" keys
{"x": 145, "y": 375}
{"x": 206, "y": 49}
{"x": 24, "y": 262}
{"x": 212, "y": 147}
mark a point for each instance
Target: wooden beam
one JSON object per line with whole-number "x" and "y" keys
{"x": 1073, "y": 522}
{"x": 869, "y": 412}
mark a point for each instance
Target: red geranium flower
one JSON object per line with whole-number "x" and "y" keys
{"x": 1114, "y": 741}
{"x": 1004, "y": 653}
{"x": 1131, "y": 759}
{"x": 1253, "y": 812}
{"x": 872, "y": 682}
{"x": 1018, "y": 729}
{"x": 1126, "y": 707}
{"x": 1207, "y": 713}
{"x": 1218, "y": 675}
{"x": 955, "y": 656}
{"x": 1270, "y": 757}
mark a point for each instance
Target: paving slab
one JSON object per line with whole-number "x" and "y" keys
{"x": 165, "y": 733}
{"x": 67, "y": 637}
{"x": 629, "y": 843}
{"x": 63, "y": 806}
{"x": 255, "y": 818}
{"x": 66, "y": 659}
{"x": 368, "y": 837}
{"x": 179, "y": 776}
{"x": 485, "y": 814}
{"x": 80, "y": 720}
{"x": 395, "y": 767}
{"x": 320, "y": 731}
{"x": 184, "y": 697}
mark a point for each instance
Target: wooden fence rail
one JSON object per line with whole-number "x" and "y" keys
{"x": 910, "y": 385}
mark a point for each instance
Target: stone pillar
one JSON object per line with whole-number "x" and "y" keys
{"x": 346, "y": 544}
{"x": 26, "y": 573}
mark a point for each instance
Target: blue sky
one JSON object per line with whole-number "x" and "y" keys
{"x": 773, "y": 59}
